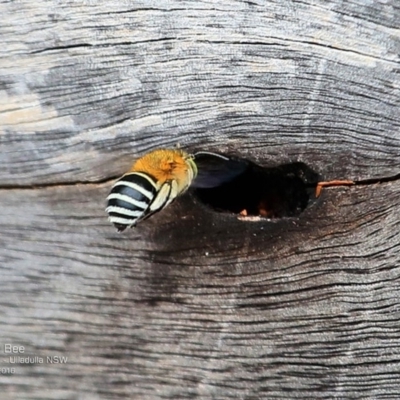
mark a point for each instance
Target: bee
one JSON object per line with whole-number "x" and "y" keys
{"x": 159, "y": 177}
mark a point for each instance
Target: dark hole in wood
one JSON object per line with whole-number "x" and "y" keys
{"x": 282, "y": 191}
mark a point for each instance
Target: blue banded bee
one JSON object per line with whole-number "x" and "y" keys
{"x": 156, "y": 179}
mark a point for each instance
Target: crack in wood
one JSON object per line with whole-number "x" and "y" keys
{"x": 58, "y": 184}
{"x": 360, "y": 182}
{"x": 373, "y": 181}
{"x": 80, "y": 45}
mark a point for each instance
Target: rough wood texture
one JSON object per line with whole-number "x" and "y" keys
{"x": 196, "y": 304}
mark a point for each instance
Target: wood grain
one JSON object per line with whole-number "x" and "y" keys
{"x": 194, "y": 303}
{"x": 88, "y": 86}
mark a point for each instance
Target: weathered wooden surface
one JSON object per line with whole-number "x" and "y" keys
{"x": 196, "y": 304}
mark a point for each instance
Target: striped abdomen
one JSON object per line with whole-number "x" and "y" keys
{"x": 130, "y": 199}
{"x": 136, "y": 196}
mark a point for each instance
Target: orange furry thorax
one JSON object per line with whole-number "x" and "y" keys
{"x": 163, "y": 165}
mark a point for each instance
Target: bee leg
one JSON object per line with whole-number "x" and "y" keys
{"x": 320, "y": 185}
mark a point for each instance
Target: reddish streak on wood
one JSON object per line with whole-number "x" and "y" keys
{"x": 320, "y": 185}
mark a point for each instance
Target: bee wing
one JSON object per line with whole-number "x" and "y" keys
{"x": 215, "y": 169}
